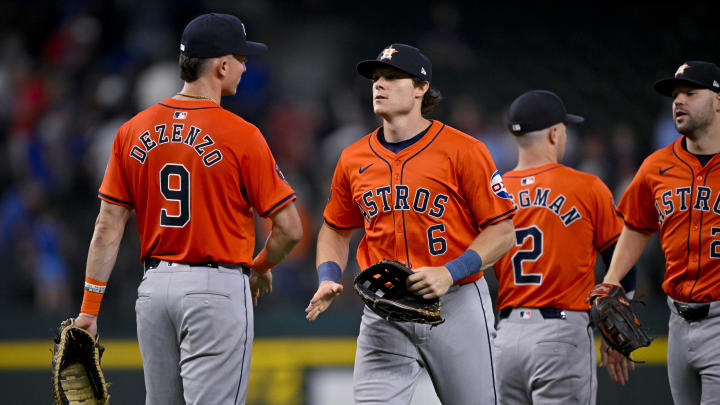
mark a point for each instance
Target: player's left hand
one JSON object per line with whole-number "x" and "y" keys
{"x": 87, "y": 322}
{"x": 260, "y": 283}
{"x": 430, "y": 282}
{"x": 617, "y": 365}
{"x": 324, "y": 296}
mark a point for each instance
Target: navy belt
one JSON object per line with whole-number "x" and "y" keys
{"x": 692, "y": 313}
{"x": 153, "y": 263}
{"x": 547, "y": 313}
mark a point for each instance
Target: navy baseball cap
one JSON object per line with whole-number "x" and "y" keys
{"x": 400, "y": 56}
{"x": 538, "y": 109}
{"x": 212, "y": 35}
{"x": 694, "y": 73}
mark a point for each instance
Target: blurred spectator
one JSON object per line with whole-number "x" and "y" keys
{"x": 72, "y": 72}
{"x": 444, "y": 43}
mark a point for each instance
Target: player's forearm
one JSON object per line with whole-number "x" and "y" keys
{"x": 285, "y": 234}
{"x": 493, "y": 242}
{"x": 105, "y": 243}
{"x": 332, "y": 253}
{"x": 629, "y": 248}
{"x": 109, "y": 229}
{"x": 333, "y": 246}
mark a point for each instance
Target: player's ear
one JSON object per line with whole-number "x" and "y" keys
{"x": 214, "y": 66}
{"x": 553, "y": 135}
{"x": 421, "y": 89}
{"x": 222, "y": 66}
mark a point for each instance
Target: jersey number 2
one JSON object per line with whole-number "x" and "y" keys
{"x": 529, "y": 255}
{"x": 181, "y": 194}
{"x": 715, "y": 245}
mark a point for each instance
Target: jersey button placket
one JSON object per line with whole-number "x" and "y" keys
{"x": 399, "y": 247}
{"x": 692, "y": 251}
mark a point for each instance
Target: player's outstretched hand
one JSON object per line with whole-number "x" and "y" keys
{"x": 260, "y": 283}
{"x": 87, "y": 322}
{"x": 430, "y": 282}
{"x": 617, "y": 365}
{"x": 324, "y": 296}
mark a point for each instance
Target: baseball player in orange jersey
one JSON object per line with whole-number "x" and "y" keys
{"x": 544, "y": 350}
{"x": 194, "y": 172}
{"x": 429, "y": 196}
{"x": 676, "y": 192}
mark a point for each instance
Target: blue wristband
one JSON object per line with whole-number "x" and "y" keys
{"x": 466, "y": 264}
{"x": 329, "y": 271}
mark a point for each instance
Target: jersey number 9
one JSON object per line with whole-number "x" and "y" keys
{"x": 181, "y": 194}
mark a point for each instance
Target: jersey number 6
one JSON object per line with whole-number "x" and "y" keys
{"x": 181, "y": 194}
{"x": 529, "y": 255}
{"x": 436, "y": 244}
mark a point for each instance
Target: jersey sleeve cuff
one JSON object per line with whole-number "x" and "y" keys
{"x": 339, "y": 228}
{"x": 608, "y": 243}
{"x": 292, "y": 197}
{"x": 115, "y": 201}
{"x": 636, "y": 228}
{"x": 501, "y": 217}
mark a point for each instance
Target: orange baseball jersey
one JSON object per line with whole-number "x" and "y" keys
{"x": 565, "y": 218}
{"x": 194, "y": 171}
{"x": 422, "y": 206}
{"x": 674, "y": 194}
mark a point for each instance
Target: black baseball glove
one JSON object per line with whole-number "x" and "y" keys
{"x": 383, "y": 287}
{"x": 76, "y": 374}
{"x": 611, "y": 312}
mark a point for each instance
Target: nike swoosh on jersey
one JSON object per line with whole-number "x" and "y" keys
{"x": 362, "y": 169}
{"x": 662, "y": 171}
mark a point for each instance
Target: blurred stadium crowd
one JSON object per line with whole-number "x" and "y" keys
{"x": 72, "y": 72}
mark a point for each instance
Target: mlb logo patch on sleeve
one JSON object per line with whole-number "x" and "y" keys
{"x": 497, "y": 185}
{"x": 180, "y": 115}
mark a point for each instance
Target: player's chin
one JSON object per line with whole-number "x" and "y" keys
{"x": 384, "y": 110}
{"x": 684, "y": 127}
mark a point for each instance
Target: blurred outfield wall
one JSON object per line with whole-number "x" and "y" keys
{"x": 287, "y": 371}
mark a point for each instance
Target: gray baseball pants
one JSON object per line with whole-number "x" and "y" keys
{"x": 693, "y": 358}
{"x": 457, "y": 354}
{"x": 195, "y": 329}
{"x": 545, "y": 361}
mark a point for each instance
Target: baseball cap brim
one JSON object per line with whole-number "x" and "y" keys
{"x": 251, "y": 48}
{"x": 366, "y": 68}
{"x": 573, "y": 119}
{"x": 666, "y": 86}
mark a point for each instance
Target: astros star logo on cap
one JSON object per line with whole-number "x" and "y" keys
{"x": 387, "y": 53}
{"x": 681, "y": 69}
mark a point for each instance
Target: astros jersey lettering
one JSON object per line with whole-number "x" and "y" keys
{"x": 676, "y": 196}
{"x": 161, "y": 164}
{"x": 422, "y": 206}
{"x": 565, "y": 217}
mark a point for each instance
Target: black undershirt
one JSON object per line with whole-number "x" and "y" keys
{"x": 396, "y": 147}
{"x": 704, "y": 159}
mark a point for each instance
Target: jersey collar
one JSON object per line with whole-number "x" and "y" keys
{"x": 430, "y": 134}
{"x": 532, "y": 171}
{"x": 690, "y": 159}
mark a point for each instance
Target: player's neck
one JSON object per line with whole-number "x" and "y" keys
{"x": 530, "y": 159}
{"x": 402, "y": 128}
{"x": 705, "y": 141}
{"x": 200, "y": 89}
